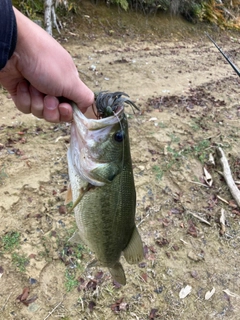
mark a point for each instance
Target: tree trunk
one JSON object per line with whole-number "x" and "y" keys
{"x": 47, "y": 16}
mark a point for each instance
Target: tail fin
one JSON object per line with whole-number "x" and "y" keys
{"x": 133, "y": 253}
{"x": 118, "y": 274}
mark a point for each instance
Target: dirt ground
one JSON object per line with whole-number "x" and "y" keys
{"x": 190, "y": 105}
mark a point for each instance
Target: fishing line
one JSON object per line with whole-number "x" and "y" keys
{"x": 121, "y": 127}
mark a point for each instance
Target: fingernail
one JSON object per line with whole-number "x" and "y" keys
{"x": 64, "y": 111}
{"x": 50, "y": 102}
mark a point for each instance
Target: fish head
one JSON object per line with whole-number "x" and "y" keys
{"x": 97, "y": 147}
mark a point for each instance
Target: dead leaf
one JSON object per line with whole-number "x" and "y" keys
{"x": 142, "y": 264}
{"x": 91, "y": 285}
{"x": 91, "y": 305}
{"x": 62, "y": 209}
{"x": 194, "y": 274}
{"x": 23, "y": 296}
{"x": 119, "y": 305}
{"x": 231, "y": 294}
{"x": 162, "y": 242}
{"x": 207, "y": 177}
{"x": 116, "y": 284}
{"x": 211, "y": 159}
{"x": 192, "y": 230}
{"x": 209, "y": 294}
{"x": 29, "y": 301}
{"x": 153, "y": 314}
{"x": 222, "y": 222}
{"x": 185, "y": 292}
{"x": 98, "y": 275}
{"x": 144, "y": 276}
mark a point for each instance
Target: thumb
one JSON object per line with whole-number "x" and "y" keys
{"x": 82, "y": 96}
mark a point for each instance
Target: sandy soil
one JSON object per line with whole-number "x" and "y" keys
{"x": 190, "y": 104}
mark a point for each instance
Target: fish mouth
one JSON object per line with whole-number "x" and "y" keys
{"x": 86, "y": 137}
{"x": 95, "y": 124}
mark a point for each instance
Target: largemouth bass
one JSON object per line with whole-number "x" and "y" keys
{"x": 102, "y": 184}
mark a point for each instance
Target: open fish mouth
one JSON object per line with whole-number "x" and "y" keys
{"x": 88, "y": 135}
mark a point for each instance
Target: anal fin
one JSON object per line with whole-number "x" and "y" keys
{"x": 93, "y": 263}
{"x": 118, "y": 274}
{"x": 133, "y": 253}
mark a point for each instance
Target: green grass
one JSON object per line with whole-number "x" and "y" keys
{"x": 20, "y": 261}
{"x": 162, "y": 125}
{"x": 199, "y": 150}
{"x": 174, "y": 138}
{"x": 158, "y": 172}
{"x": 11, "y": 241}
{"x": 70, "y": 281}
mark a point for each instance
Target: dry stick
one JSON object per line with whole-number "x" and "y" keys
{"x": 228, "y": 176}
{"x": 51, "y": 312}
{"x": 4, "y": 306}
{"x": 223, "y": 200}
{"x": 199, "y": 218}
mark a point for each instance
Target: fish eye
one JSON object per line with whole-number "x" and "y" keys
{"x": 119, "y": 136}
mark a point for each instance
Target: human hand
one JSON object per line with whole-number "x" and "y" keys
{"x": 39, "y": 71}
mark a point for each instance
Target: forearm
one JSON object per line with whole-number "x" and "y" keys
{"x": 8, "y": 32}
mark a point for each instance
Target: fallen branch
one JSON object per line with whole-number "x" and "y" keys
{"x": 199, "y": 218}
{"x": 200, "y": 184}
{"x": 223, "y": 200}
{"x": 51, "y": 312}
{"x": 4, "y": 305}
{"x": 228, "y": 176}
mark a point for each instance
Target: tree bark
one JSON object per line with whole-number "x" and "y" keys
{"x": 47, "y": 16}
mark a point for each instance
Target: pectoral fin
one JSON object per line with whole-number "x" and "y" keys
{"x": 133, "y": 253}
{"x": 68, "y": 197}
{"x": 106, "y": 172}
{"x": 82, "y": 192}
{"x": 118, "y": 274}
{"x": 75, "y": 238}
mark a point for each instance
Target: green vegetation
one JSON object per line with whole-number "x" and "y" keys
{"x": 20, "y": 261}
{"x": 70, "y": 281}
{"x": 3, "y": 174}
{"x": 158, "y": 172}
{"x": 223, "y": 13}
{"x": 177, "y": 154}
{"x": 10, "y": 241}
{"x": 162, "y": 125}
{"x": 198, "y": 150}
